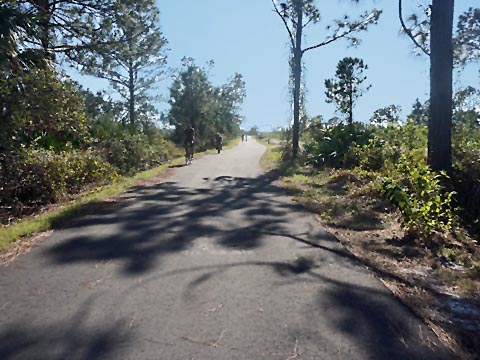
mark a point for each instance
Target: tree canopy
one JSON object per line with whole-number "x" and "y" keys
{"x": 196, "y": 102}
{"x": 386, "y": 115}
{"x": 346, "y": 87}
{"x": 465, "y": 39}
{"x": 133, "y": 66}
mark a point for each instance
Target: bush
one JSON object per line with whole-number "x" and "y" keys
{"x": 398, "y": 154}
{"x": 39, "y": 109}
{"x": 49, "y": 150}
{"x": 466, "y": 174}
{"x": 32, "y": 178}
{"x": 137, "y": 152}
{"x": 421, "y": 199}
{"x": 385, "y": 147}
{"x": 331, "y": 146}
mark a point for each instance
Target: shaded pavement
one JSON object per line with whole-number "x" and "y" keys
{"x": 216, "y": 262}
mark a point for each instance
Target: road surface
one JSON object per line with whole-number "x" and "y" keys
{"x": 215, "y": 262}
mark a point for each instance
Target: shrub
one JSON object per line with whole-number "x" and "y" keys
{"x": 32, "y": 178}
{"x": 39, "y": 109}
{"x": 331, "y": 146}
{"x": 466, "y": 173}
{"x": 386, "y": 145}
{"x": 421, "y": 199}
{"x": 137, "y": 152}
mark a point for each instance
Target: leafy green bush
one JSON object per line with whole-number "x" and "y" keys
{"x": 50, "y": 150}
{"x": 387, "y": 144}
{"x": 421, "y": 199}
{"x": 137, "y": 152}
{"x": 466, "y": 173}
{"x": 32, "y": 178}
{"x": 132, "y": 148}
{"x": 39, "y": 109}
{"x": 331, "y": 146}
{"x": 398, "y": 155}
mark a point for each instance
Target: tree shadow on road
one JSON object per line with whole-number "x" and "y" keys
{"x": 155, "y": 221}
{"x": 369, "y": 319}
{"x": 69, "y": 339}
{"x": 166, "y": 218}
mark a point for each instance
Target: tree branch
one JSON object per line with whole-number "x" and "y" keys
{"x": 349, "y": 31}
{"x": 308, "y": 22}
{"x": 285, "y": 23}
{"x": 408, "y": 31}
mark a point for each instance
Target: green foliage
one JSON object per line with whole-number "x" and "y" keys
{"x": 466, "y": 173}
{"x": 131, "y": 152}
{"x": 343, "y": 27}
{"x": 69, "y": 25}
{"x": 465, "y": 107}
{"x": 32, "y": 178}
{"x": 134, "y": 58}
{"x": 99, "y": 106}
{"x": 422, "y": 200}
{"x": 39, "y": 109}
{"x": 132, "y": 148}
{"x": 387, "y": 115}
{"x": 396, "y": 157}
{"x": 331, "y": 145}
{"x": 253, "y": 131}
{"x": 467, "y": 41}
{"x": 386, "y": 145}
{"x": 50, "y": 150}
{"x": 16, "y": 26}
{"x": 196, "y": 102}
{"x": 465, "y": 38}
{"x": 419, "y": 114}
{"x": 297, "y": 15}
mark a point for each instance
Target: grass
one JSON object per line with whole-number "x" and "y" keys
{"x": 271, "y": 158}
{"x": 230, "y": 143}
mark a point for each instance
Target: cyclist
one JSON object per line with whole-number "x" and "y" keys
{"x": 189, "y": 144}
{"x": 218, "y": 142}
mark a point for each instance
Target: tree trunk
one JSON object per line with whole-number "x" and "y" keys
{"x": 43, "y": 9}
{"x": 350, "y": 105}
{"x": 297, "y": 74}
{"x": 441, "y": 67}
{"x": 131, "y": 94}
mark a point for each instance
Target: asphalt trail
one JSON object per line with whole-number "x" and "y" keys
{"x": 214, "y": 263}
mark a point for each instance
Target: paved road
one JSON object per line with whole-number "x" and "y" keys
{"x": 213, "y": 263}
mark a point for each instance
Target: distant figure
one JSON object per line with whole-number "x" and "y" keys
{"x": 246, "y": 138}
{"x": 189, "y": 143}
{"x": 243, "y": 137}
{"x": 218, "y": 142}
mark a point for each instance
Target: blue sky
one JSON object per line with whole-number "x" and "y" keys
{"x": 249, "y": 38}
